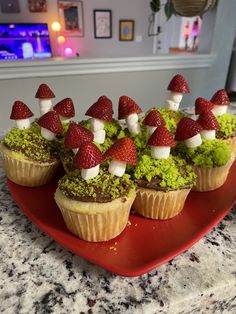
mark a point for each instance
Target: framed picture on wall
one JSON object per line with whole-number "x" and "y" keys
{"x": 102, "y": 23}
{"x": 71, "y": 17}
{"x": 126, "y": 30}
{"x": 37, "y": 5}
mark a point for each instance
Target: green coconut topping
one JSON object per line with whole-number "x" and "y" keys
{"x": 211, "y": 153}
{"x": 30, "y": 144}
{"x": 112, "y": 128}
{"x": 140, "y": 139}
{"x": 227, "y": 124}
{"x": 172, "y": 173}
{"x": 104, "y": 187}
{"x": 171, "y": 118}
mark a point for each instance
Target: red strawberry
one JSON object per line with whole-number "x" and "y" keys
{"x": 20, "y": 111}
{"x": 123, "y": 150}
{"x": 186, "y": 129}
{"x": 208, "y": 121}
{"x": 202, "y": 104}
{"x": 101, "y": 109}
{"x": 51, "y": 122}
{"x": 65, "y": 108}
{"x": 76, "y": 135}
{"x": 126, "y": 107}
{"x": 45, "y": 92}
{"x": 220, "y": 98}
{"x": 161, "y": 137}
{"x": 88, "y": 156}
{"x": 178, "y": 85}
{"x": 154, "y": 118}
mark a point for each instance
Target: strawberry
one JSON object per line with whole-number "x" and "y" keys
{"x": 20, "y": 111}
{"x": 178, "y": 85}
{"x": 51, "y": 122}
{"x": 123, "y": 150}
{"x": 161, "y": 137}
{"x": 65, "y": 108}
{"x": 126, "y": 107}
{"x": 88, "y": 156}
{"x": 202, "y": 104}
{"x": 76, "y": 135}
{"x": 45, "y": 92}
{"x": 101, "y": 109}
{"x": 154, "y": 118}
{"x": 220, "y": 98}
{"x": 186, "y": 129}
{"x": 208, "y": 121}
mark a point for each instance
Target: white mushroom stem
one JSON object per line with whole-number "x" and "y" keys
{"x": 64, "y": 119}
{"x": 96, "y": 124}
{"x": 208, "y": 134}
{"x": 134, "y": 129}
{"x": 132, "y": 123}
{"x": 23, "y": 124}
{"x": 47, "y": 134}
{"x": 90, "y": 173}
{"x": 219, "y": 110}
{"x": 45, "y": 105}
{"x": 194, "y": 141}
{"x": 99, "y": 136}
{"x": 151, "y": 129}
{"x": 75, "y": 150}
{"x": 176, "y": 97}
{"x": 160, "y": 152}
{"x": 171, "y": 105}
{"x": 117, "y": 167}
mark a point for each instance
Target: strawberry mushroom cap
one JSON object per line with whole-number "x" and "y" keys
{"x": 44, "y": 95}
{"x": 21, "y": 113}
{"x": 66, "y": 110}
{"x": 153, "y": 120}
{"x": 177, "y": 87}
{"x": 221, "y": 102}
{"x": 50, "y": 125}
{"x": 202, "y": 104}
{"x": 188, "y": 131}
{"x": 122, "y": 152}
{"x": 209, "y": 125}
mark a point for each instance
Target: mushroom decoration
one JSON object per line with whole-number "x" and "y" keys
{"x": 129, "y": 110}
{"x": 161, "y": 142}
{"x": 153, "y": 120}
{"x": 21, "y": 113}
{"x": 177, "y": 87}
{"x": 202, "y": 104}
{"x": 188, "y": 131}
{"x": 44, "y": 95}
{"x": 50, "y": 125}
{"x": 76, "y": 135}
{"x": 88, "y": 160}
{"x": 209, "y": 125}
{"x": 66, "y": 110}
{"x": 122, "y": 152}
{"x": 221, "y": 102}
{"x": 100, "y": 112}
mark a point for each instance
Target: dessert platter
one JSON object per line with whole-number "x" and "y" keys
{"x": 130, "y": 194}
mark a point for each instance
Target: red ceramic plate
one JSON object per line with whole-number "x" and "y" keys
{"x": 145, "y": 243}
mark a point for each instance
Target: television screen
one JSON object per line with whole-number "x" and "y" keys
{"x": 24, "y": 41}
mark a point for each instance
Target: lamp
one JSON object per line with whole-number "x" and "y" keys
{"x": 56, "y": 27}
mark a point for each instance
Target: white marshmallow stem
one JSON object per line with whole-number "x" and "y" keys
{"x": 132, "y": 119}
{"x": 90, "y": 173}
{"x": 176, "y": 97}
{"x": 219, "y": 110}
{"x": 160, "y": 152}
{"x": 117, "y": 167}
{"x": 208, "y": 134}
{"x": 75, "y": 150}
{"x": 151, "y": 129}
{"x": 99, "y": 136}
{"x": 47, "y": 134}
{"x": 64, "y": 119}
{"x": 45, "y": 105}
{"x": 96, "y": 124}
{"x": 23, "y": 124}
{"x": 134, "y": 129}
{"x": 194, "y": 141}
{"x": 171, "y": 105}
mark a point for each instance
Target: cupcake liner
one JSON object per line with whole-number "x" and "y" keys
{"x": 159, "y": 204}
{"x": 232, "y": 143}
{"x": 94, "y": 222}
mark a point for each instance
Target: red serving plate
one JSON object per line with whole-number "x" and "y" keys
{"x": 145, "y": 243}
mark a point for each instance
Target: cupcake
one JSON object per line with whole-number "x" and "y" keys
{"x": 163, "y": 181}
{"x": 95, "y": 204}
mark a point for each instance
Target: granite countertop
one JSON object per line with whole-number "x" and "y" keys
{"x": 37, "y": 275}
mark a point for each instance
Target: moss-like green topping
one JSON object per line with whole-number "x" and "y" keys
{"x": 140, "y": 139}
{"x": 30, "y": 144}
{"x": 227, "y": 124}
{"x": 112, "y": 128}
{"x": 171, "y": 173}
{"x": 212, "y": 153}
{"x": 105, "y": 187}
{"x": 171, "y": 118}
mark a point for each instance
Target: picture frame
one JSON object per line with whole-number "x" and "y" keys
{"x": 71, "y": 18}
{"x": 102, "y": 23}
{"x": 37, "y": 6}
{"x": 126, "y": 30}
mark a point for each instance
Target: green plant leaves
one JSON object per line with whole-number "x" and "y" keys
{"x": 155, "y": 5}
{"x": 169, "y": 9}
